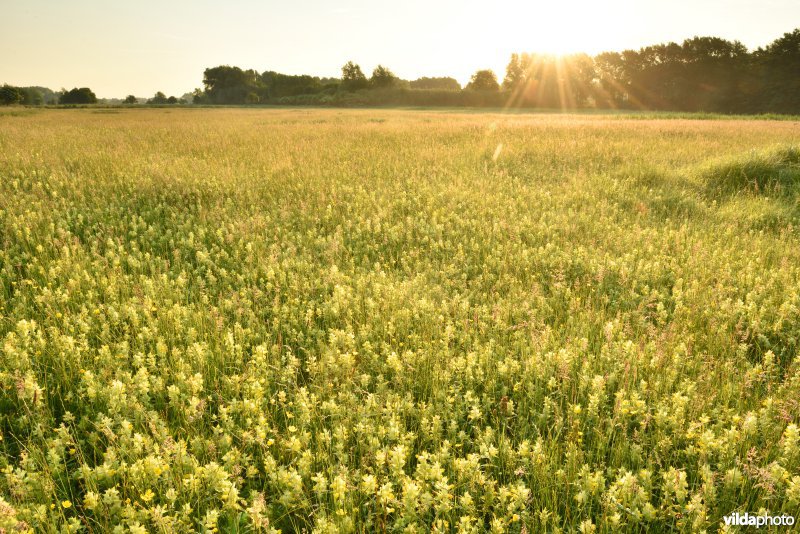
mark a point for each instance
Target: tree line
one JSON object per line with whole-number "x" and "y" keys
{"x": 38, "y": 96}
{"x": 231, "y": 85}
{"x": 28, "y": 96}
{"x": 700, "y": 74}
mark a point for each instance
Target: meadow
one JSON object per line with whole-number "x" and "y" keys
{"x": 396, "y": 321}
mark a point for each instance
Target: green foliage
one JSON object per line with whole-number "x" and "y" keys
{"x": 279, "y": 85}
{"x": 444, "y": 83}
{"x": 483, "y": 80}
{"x": 382, "y": 78}
{"x": 779, "y": 66}
{"x": 31, "y": 96}
{"x": 158, "y": 99}
{"x": 49, "y": 96}
{"x": 515, "y": 73}
{"x": 230, "y": 85}
{"x": 82, "y": 95}
{"x": 199, "y": 97}
{"x": 130, "y": 99}
{"x": 399, "y": 96}
{"x": 9, "y": 95}
{"x": 353, "y": 79}
{"x": 702, "y": 74}
{"x": 37, "y": 96}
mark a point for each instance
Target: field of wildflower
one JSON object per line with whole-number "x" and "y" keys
{"x": 396, "y": 321}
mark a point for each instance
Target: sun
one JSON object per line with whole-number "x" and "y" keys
{"x": 563, "y": 28}
{"x": 550, "y": 28}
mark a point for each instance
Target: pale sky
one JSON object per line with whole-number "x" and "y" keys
{"x": 140, "y": 47}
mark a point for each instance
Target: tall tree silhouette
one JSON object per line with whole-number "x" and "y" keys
{"x": 353, "y": 77}
{"x": 483, "y": 80}
{"x": 779, "y": 68}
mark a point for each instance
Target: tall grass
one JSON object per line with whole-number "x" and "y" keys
{"x": 362, "y": 321}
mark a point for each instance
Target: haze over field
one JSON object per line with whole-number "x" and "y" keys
{"x": 120, "y": 48}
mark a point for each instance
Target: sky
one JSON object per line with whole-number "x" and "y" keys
{"x": 140, "y": 47}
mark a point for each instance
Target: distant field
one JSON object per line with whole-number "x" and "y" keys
{"x": 377, "y": 320}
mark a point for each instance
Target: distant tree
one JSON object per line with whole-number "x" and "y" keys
{"x": 539, "y": 80}
{"x": 441, "y": 83}
{"x": 230, "y": 85}
{"x": 515, "y": 73}
{"x": 172, "y": 100}
{"x": 483, "y": 80}
{"x": 713, "y": 68}
{"x": 779, "y": 67}
{"x": 278, "y": 85}
{"x": 610, "y": 90}
{"x": 48, "y": 96}
{"x": 353, "y": 78}
{"x": 199, "y": 96}
{"x": 30, "y": 96}
{"x": 701, "y": 74}
{"x": 36, "y": 96}
{"x": 578, "y": 74}
{"x": 382, "y": 77}
{"x": 84, "y": 95}
{"x": 9, "y": 95}
{"x": 158, "y": 99}
{"x": 130, "y": 99}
